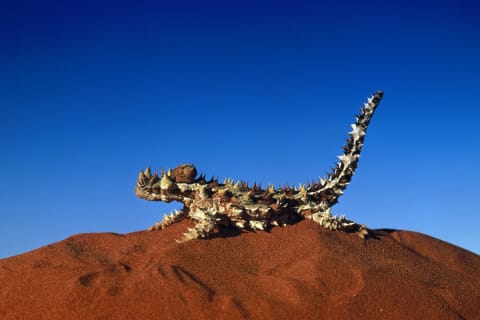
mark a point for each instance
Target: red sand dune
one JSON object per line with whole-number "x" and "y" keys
{"x": 298, "y": 272}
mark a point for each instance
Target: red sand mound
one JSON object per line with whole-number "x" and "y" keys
{"x": 299, "y": 272}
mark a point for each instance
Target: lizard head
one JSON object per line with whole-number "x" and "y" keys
{"x": 170, "y": 186}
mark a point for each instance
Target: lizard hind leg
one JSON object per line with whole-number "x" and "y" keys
{"x": 329, "y": 221}
{"x": 169, "y": 219}
{"x": 204, "y": 226}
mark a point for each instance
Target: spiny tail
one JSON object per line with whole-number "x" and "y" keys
{"x": 328, "y": 191}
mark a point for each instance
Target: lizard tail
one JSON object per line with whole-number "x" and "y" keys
{"x": 329, "y": 190}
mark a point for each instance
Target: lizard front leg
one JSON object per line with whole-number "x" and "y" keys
{"x": 169, "y": 219}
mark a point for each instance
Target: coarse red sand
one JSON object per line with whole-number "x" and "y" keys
{"x": 298, "y": 272}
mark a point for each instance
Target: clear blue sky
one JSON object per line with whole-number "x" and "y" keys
{"x": 93, "y": 91}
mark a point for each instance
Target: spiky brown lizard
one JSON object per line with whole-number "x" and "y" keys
{"x": 211, "y": 203}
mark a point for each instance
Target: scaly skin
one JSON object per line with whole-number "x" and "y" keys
{"x": 211, "y": 203}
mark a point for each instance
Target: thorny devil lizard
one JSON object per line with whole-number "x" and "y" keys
{"x": 211, "y": 203}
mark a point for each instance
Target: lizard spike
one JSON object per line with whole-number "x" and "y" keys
{"x": 141, "y": 177}
{"x": 148, "y": 172}
{"x": 240, "y": 224}
{"x": 271, "y": 188}
{"x": 166, "y": 183}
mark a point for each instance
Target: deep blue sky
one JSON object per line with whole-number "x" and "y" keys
{"x": 91, "y": 92}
